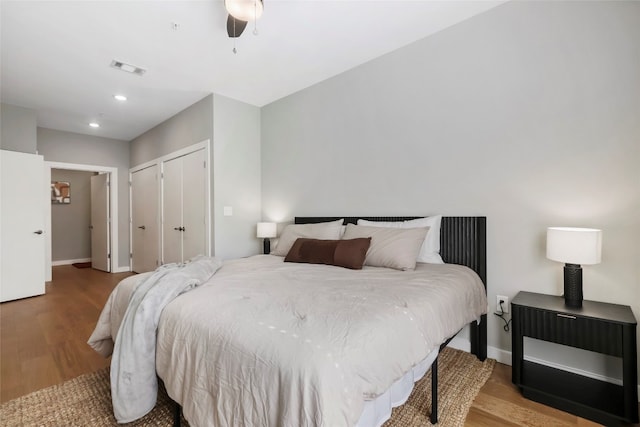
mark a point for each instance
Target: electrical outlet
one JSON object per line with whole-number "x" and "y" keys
{"x": 505, "y": 303}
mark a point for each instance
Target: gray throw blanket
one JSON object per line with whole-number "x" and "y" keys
{"x": 134, "y": 385}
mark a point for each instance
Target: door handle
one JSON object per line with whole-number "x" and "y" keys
{"x": 38, "y": 232}
{"x": 142, "y": 227}
{"x": 178, "y": 228}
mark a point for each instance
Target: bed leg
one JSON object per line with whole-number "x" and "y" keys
{"x": 176, "y": 414}
{"x": 434, "y": 392}
{"x": 479, "y": 338}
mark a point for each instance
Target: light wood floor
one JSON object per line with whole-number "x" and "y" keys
{"x": 43, "y": 342}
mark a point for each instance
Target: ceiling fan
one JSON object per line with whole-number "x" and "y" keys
{"x": 241, "y": 12}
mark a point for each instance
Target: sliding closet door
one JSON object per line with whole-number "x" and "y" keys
{"x": 194, "y": 204}
{"x": 145, "y": 220}
{"x": 172, "y": 211}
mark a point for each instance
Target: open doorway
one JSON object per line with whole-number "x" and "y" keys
{"x": 99, "y": 227}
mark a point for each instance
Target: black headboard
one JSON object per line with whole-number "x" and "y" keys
{"x": 463, "y": 239}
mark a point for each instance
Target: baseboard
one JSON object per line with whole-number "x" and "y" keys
{"x": 120, "y": 269}
{"x": 498, "y": 354}
{"x": 504, "y": 356}
{"x": 69, "y": 261}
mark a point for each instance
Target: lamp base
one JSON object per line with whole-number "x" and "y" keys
{"x": 573, "y": 285}
{"x": 266, "y": 246}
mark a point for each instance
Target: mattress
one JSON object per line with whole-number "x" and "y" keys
{"x": 271, "y": 343}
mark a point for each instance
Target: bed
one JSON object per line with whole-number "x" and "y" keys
{"x": 266, "y": 342}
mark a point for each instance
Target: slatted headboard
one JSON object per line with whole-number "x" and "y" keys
{"x": 463, "y": 240}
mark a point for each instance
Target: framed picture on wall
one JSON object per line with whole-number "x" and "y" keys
{"x": 60, "y": 192}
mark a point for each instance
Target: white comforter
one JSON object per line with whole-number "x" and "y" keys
{"x": 134, "y": 386}
{"x": 268, "y": 343}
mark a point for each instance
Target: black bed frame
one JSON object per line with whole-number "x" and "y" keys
{"x": 463, "y": 240}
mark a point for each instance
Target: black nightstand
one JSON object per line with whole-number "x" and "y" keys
{"x": 599, "y": 327}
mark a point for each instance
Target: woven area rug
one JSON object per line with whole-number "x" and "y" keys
{"x": 86, "y": 400}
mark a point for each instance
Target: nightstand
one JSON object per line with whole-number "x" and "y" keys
{"x": 599, "y": 327}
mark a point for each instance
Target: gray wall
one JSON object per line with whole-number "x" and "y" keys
{"x": 70, "y": 234}
{"x": 234, "y": 131}
{"x": 236, "y": 168}
{"x": 67, "y": 147}
{"x": 17, "y": 129}
{"x": 190, "y": 126}
{"x": 528, "y": 114}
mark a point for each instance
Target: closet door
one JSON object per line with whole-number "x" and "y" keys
{"x": 22, "y": 243}
{"x": 172, "y": 211}
{"x": 145, "y": 243}
{"x": 184, "y": 207}
{"x": 194, "y": 204}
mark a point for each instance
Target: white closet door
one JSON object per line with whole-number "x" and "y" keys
{"x": 194, "y": 204}
{"x": 172, "y": 211}
{"x": 100, "y": 222}
{"x": 145, "y": 220}
{"x": 22, "y": 246}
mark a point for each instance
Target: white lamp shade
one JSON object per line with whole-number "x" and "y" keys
{"x": 244, "y": 10}
{"x": 267, "y": 229}
{"x": 582, "y": 246}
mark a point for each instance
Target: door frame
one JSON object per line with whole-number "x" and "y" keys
{"x": 113, "y": 211}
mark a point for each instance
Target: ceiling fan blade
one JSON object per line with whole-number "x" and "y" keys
{"x": 235, "y": 27}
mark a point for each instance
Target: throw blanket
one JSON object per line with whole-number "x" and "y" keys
{"x": 134, "y": 385}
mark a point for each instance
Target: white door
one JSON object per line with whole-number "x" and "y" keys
{"x": 22, "y": 247}
{"x": 184, "y": 207}
{"x": 100, "y": 222}
{"x": 145, "y": 253}
{"x": 194, "y": 205}
{"x": 172, "y": 211}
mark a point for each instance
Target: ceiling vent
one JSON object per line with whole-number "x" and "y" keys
{"x": 128, "y": 68}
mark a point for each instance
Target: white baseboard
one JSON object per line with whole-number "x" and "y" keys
{"x": 70, "y": 261}
{"x": 121, "y": 269}
{"x": 504, "y": 356}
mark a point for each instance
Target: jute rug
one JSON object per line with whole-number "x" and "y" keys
{"x": 86, "y": 400}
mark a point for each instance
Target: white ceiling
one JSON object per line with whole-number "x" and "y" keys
{"x": 56, "y": 54}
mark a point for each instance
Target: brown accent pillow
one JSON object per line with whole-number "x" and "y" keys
{"x": 342, "y": 253}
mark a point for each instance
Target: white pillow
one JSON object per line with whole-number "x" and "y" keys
{"x": 390, "y": 247}
{"x": 322, "y": 230}
{"x": 430, "y": 251}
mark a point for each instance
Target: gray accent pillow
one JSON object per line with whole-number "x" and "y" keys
{"x": 430, "y": 251}
{"x": 396, "y": 248}
{"x": 324, "y": 230}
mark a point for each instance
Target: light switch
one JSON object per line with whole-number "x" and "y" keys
{"x": 228, "y": 211}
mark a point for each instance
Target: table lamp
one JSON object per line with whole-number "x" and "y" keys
{"x": 574, "y": 247}
{"x": 266, "y": 230}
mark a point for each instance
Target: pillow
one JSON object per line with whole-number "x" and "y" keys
{"x": 390, "y": 247}
{"x": 323, "y": 230}
{"x": 342, "y": 253}
{"x": 430, "y": 251}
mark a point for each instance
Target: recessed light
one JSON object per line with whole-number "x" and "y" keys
{"x": 120, "y": 97}
{"x": 94, "y": 125}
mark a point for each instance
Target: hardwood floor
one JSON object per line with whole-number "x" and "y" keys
{"x": 43, "y": 342}
{"x": 43, "y": 339}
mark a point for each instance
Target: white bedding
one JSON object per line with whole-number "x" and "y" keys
{"x": 269, "y": 343}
